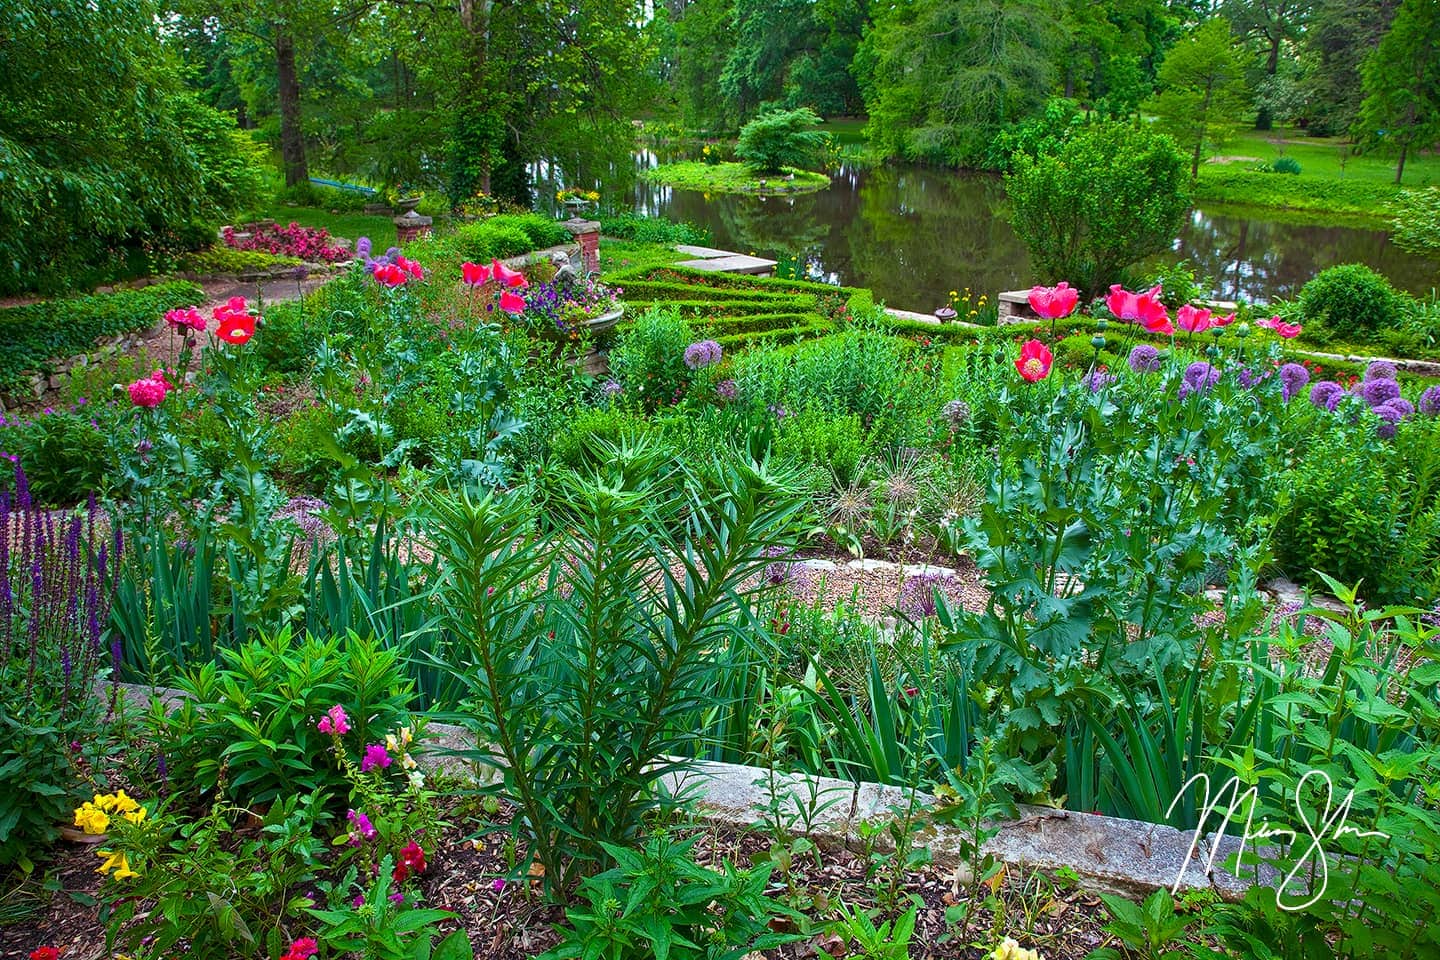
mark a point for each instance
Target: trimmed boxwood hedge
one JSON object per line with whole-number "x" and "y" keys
{"x": 38, "y": 333}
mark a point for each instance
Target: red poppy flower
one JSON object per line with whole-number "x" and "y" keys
{"x": 45, "y": 953}
{"x": 474, "y": 274}
{"x": 507, "y": 277}
{"x": 1055, "y": 302}
{"x": 390, "y": 274}
{"x": 236, "y": 328}
{"x": 1034, "y": 361}
{"x": 512, "y": 302}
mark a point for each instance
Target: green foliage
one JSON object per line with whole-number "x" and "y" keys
{"x": 649, "y": 358}
{"x": 642, "y": 229}
{"x": 65, "y": 456}
{"x": 817, "y": 439}
{"x": 385, "y": 930}
{"x": 587, "y": 694}
{"x": 249, "y": 726}
{"x": 1352, "y": 301}
{"x": 1416, "y": 226}
{"x": 135, "y": 162}
{"x": 507, "y": 235}
{"x": 1149, "y": 930}
{"x": 1202, "y": 85}
{"x": 222, "y": 259}
{"x": 658, "y": 902}
{"x": 733, "y": 177}
{"x": 56, "y": 329}
{"x": 1401, "y": 110}
{"x": 1287, "y": 165}
{"x": 1088, "y": 210}
{"x": 865, "y": 940}
{"x": 583, "y": 441}
{"x": 779, "y": 139}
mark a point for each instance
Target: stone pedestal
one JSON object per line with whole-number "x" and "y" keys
{"x": 411, "y": 226}
{"x": 587, "y": 233}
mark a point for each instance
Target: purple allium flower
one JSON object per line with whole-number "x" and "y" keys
{"x": 1293, "y": 378}
{"x": 304, "y": 513}
{"x": 1096, "y": 380}
{"x": 1380, "y": 370}
{"x": 778, "y": 411}
{"x": 702, "y": 353}
{"x": 917, "y": 593}
{"x": 1430, "y": 402}
{"x": 1378, "y": 392}
{"x": 727, "y": 390}
{"x": 1199, "y": 377}
{"x": 1326, "y": 394}
{"x": 1248, "y": 378}
{"x": 362, "y": 248}
{"x": 1405, "y": 407}
{"x": 611, "y": 388}
{"x": 1144, "y": 358}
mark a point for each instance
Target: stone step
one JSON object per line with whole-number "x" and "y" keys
{"x": 732, "y": 263}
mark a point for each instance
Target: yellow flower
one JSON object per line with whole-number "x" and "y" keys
{"x": 954, "y": 294}
{"x": 116, "y": 862}
{"x": 391, "y": 744}
{"x": 135, "y": 816}
{"x": 92, "y": 819}
{"x": 1010, "y": 950}
{"x": 123, "y": 803}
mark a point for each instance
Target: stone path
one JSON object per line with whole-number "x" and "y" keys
{"x": 725, "y": 261}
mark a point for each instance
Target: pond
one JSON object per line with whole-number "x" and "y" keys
{"x": 912, "y": 234}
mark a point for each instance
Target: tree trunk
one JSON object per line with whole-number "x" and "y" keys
{"x": 1400, "y": 167}
{"x": 1263, "y": 120}
{"x": 292, "y": 137}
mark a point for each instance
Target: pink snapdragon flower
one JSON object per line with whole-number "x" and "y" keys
{"x": 334, "y": 722}
{"x": 375, "y": 756}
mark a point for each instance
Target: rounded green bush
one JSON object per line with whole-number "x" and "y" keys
{"x": 1352, "y": 301}
{"x": 1286, "y": 165}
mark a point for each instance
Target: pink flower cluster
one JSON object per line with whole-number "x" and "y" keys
{"x": 396, "y": 274}
{"x": 150, "y": 391}
{"x": 189, "y": 318}
{"x": 1286, "y": 331}
{"x": 478, "y": 275}
{"x": 307, "y": 243}
{"x": 375, "y": 756}
{"x": 334, "y": 723}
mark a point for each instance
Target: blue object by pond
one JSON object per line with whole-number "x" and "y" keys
{"x": 368, "y": 191}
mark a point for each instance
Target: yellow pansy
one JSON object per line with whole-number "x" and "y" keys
{"x": 116, "y": 862}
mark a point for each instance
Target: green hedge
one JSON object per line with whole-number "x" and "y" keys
{"x": 38, "y": 333}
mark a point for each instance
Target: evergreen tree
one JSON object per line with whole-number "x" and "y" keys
{"x": 1202, "y": 86}
{"x": 1401, "y": 111}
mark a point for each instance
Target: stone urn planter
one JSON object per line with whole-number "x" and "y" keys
{"x": 594, "y": 361}
{"x": 406, "y": 205}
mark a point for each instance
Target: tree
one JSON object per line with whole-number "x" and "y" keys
{"x": 101, "y": 148}
{"x": 1339, "y": 36}
{"x": 288, "y": 30}
{"x": 1110, "y": 196}
{"x": 1401, "y": 111}
{"x": 779, "y": 139}
{"x": 1272, "y": 24}
{"x": 1202, "y": 85}
{"x": 940, "y": 77}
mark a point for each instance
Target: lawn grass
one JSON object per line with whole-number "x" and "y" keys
{"x": 846, "y": 129}
{"x": 1334, "y": 184}
{"x": 380, "y": 230}
{"x": 734, "y": 178}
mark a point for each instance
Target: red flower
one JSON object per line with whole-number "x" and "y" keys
{"x": 1034, "y": 361}
{"x": 390, "y": 274}
{"x": 507, "y": 277}
{"x": 236, "y": 328}
{"x": 45, "y": 953}
{"x": 411, "y": 267}
{"x": 1193, "y": 319}
{"x": 1055, "y": 302}
{"x": 302, "y": 949}
{"x": 413, "y": 856}
{"x": 512, "y": 302}
{"x": 1145, "y": 308}
{"x": 189, "y": 317}
{"x": 474, "y": 274}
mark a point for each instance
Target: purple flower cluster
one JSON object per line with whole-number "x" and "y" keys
{"x": 55, "y": 573}
{"x": 917, "y": 593}
{"x": 1380, "y": 370}
{"x": 1377, "y": 392}
{"x": 1430, "y": 402}
{"x": 727, "y": 390}
{"x": 611, "y": 388}
{"x": 1096, "y": 380}
{"x": 1199, "y": 378}
{"x": 1327, "y": 394}
{"x": 304, "y": 512}
{"x": 1144, "y": 359}
{"x": 363, "y": 249}
{"x": 702, "y": 353}
{"x": 1293, "y": 378}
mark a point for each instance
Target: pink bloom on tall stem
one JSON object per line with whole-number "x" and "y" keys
{"x": 507, "y": 277}
{"x": 1143, "y": 308}
{"x": 1055, "y": 302}
{"x": 512, "y": 302}
{"x": 1287, "y": 331}
{"x": 1034, "y": 361}
{"x": 188, "y": 318}
{"x": 148, "y": 392}
{"x": 474, "y": 274}
{"x": 1193, "y": 319}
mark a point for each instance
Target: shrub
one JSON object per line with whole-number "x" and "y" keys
{"x": 488, "y": 240}
{"x": 292, "y": 240}
{"x": 65, "y": 455}
{"x": 835, "y": 443}
{"x": 649, "y": 359}
{"x": 1287, "y": 165}
{"x": 575, "y": 445}
{"x": 55, "y": 329}
{"x": 642, "y": 229}
{"x": 1416, "y": 226}
{"x": 256, "y": 716}
{"x": 1352, "y": 301}
{"x": 1092, "y": 207}
{"x": 779, "y": 139}
{"x": 225, "y": 260}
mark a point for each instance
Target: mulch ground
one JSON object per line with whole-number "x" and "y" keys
{"x": 510, "y": 920}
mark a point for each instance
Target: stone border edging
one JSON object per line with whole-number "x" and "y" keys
{"x": 1109, "y": 854}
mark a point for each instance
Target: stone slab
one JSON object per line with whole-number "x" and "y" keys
{"x": 734, "y": 263}
{"x": 703, "y": 253}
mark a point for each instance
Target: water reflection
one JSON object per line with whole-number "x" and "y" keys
{"x": 912, "y": 234}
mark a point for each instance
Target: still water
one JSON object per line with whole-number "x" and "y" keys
{"x": 912, "y": 234}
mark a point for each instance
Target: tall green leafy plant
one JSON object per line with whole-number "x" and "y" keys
{"x": 779, "y": 139}
{"x": 594, "y": 652}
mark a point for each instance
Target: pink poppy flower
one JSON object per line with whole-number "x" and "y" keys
{"x": 1055, "y": 302}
